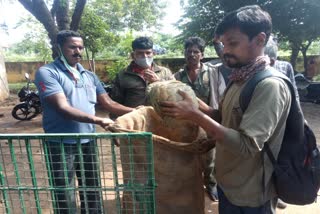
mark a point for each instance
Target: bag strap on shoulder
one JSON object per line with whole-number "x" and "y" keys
{"x": 246, "y": 95}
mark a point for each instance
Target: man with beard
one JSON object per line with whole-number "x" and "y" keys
{"x": 208, "y": 85}
{"x": 242, "y": 170}
{"x": 68, "y": 96}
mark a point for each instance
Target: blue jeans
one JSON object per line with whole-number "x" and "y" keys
{"x": 63, "y": 170}
{"x": 225, "y": 206}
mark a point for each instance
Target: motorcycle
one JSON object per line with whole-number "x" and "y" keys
{"x": 30, "y": 105}
{"x": 309, "y": 91}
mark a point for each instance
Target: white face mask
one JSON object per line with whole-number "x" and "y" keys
{"x": 144, "y": 62}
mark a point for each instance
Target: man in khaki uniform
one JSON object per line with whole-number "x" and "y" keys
{"x": 208, "y": 85}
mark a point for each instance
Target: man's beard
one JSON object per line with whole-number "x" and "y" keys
{"x": 237, "y": 64}
{"x": 192, "y": 61}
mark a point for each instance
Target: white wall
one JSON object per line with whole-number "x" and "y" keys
{"x": 4, "y": 89}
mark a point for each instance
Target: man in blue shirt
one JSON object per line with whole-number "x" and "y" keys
{"x": 68, "y": 95}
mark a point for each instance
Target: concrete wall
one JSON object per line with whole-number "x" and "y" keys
{"x": 4, "y": 90}
{"x": 16, "y": 70}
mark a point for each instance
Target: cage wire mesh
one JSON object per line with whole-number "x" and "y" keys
{"x": 36, "y": 176}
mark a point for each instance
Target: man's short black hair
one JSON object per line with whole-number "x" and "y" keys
{"x": 191, "y": 41}
{"x": 142, "y": 43}
{"x": 251, "y": 20}
{"x": 63, "y": 35}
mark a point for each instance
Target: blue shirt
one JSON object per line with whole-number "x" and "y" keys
{"x": 54, "y": 78}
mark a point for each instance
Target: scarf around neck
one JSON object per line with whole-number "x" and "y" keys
{"x": 247, "y": 71}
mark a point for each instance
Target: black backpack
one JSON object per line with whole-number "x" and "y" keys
{"x": 297, "y": 169}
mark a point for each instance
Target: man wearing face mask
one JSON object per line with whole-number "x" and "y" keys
{"x": 129, "y": 86}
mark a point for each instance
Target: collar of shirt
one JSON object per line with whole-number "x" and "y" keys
{"x": 59, "y": 63}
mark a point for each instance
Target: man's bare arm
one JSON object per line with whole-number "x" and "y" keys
{"x": 111, "y": 106}
{"x": 60, "y": 103}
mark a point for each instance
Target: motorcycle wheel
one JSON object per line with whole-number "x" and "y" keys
{"x": 23, "y": 112}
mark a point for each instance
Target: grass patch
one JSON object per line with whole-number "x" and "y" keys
{"x": 14, "y": 88}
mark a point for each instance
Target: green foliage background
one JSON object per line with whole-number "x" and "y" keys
{"x": 109, "y": 26}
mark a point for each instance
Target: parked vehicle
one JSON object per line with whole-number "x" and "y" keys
{"x": 159, "y": 50}
{"x": 30, "y": 105}
{"x": 309, "y": 91}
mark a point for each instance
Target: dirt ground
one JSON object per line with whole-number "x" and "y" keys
{"x": 9, "y": 125}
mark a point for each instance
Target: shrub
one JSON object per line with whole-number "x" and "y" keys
{"x": 113, "y": 68}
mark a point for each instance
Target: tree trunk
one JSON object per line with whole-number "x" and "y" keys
{"x": 76, "y": 17}
{"x": 4, "y": 87}
{"x": 294, "y": 55}
{"x": 93, "y": 63}
{"x": 304, "y": 50}
{"x": 88, "y": 59}
{"x": 59, "y": 14}
{"x": 40, "y": 11}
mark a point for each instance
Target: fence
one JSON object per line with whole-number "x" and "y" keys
{"x": 28, "y": 183}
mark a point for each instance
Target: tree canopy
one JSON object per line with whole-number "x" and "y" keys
{"x": 129, "y": 14}
{"x": 95, "y": 33}
{"x": 295, "y": 21}
{"x": 118, "y": 15}
{"x": 200, "y": 19}
{"x": 57, "y": 18}
{"x": 299, "y": 24}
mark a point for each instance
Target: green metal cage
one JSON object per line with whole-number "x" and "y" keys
{"x": 27, "y": 183}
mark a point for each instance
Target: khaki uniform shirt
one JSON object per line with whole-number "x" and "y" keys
{"x": 209, "y": 85}
{"x": 240, "y": 162}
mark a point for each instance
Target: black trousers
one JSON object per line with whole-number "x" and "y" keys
{"x": 66, "y": 161}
